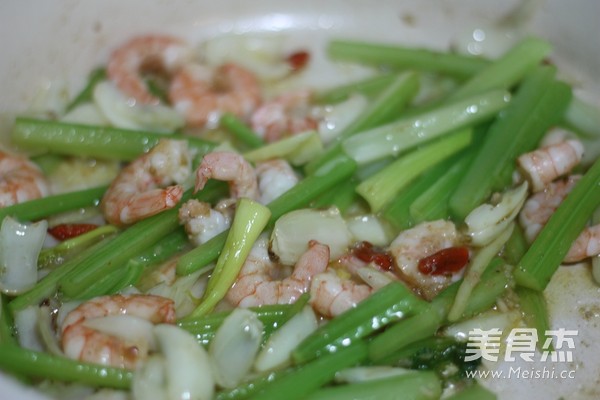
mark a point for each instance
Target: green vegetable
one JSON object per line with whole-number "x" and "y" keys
{"x": 7, "y": 332}
{"x": 446, "y": 63}
{"x": 369, "y": 86}
{"x": 546, "y": 253}
{"x": 36, "y": 364}
{"x": 538, "y": 104}
{"x": 381, "y": 188}
{"x": 410, "y": 386}
{"x": 241, "y": 131}
{"x": 34, "y": 210}
{"x": 535, "y": 312}
{"x": 388, "y": 304}
{"x": 249, "y": 221}
{"x": 92, "y": 141}
{"x": 393, "y": 138}
{"x": 309, "y": 377}
{"x": 97, "y": 75}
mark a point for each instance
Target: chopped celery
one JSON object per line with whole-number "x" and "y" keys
{"x": 92, "y": 141}
{"x": 535, "y": 313}
{"x": 406, "y": 58}
{"x": 368, "y": 87}
{"x": 298, "y": 149}
{"x": 241, "y": 131}
{"x": 381, "y": 188}
{"x": 97, "y": 75}
{"x": 393, "y": 138}
{"x": 538, "y": 104}
{"x": 548, "y": 250}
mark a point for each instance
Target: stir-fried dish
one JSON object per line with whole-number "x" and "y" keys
{"x": 199, "y": 225}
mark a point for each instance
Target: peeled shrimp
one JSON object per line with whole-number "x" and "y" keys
{"x": 229, "y": 167}
{"x": 331, "y": 294}
{"x": 539, "y": 207}
{"x": 203, "y": 96}
{"x": 151, "y": 52}
{"x": 84, "y": 343}
{"x": 137, "y": 193}
{"x": 275, "y": 177}
{"x": 419, "y": 242}
{"x": 286, "y": 114}
{"x": 586, "y": 245}
{"x": 544, "y": 165}
{"x": 202, "y": 222}
{"x": 255, "y": 285}
{"x": 20, "y": 180}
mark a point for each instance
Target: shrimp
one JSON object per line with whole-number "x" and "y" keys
{"x": 586, "y": 245}
{"x": 136, "y": 192}
{"x": 539, "y": 207}
{"x": 275, "y": 177}
{"x": 203, "y": 96}
{"x": 20, "y": 180}
{"x": 421, "y": 241}
{"x": 286, "y": 114}
{"x": 229, "y": 167}
{"x": 544, "y": 165}
{"x": 84, "y": 343}
{"x": 255, "y": 285}
{"x": 331, "y": 295}
{"x": 151, "y": 52}
{"x": 201, "y": 222}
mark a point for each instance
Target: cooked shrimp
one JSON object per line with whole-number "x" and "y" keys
{"x": 586, "y": 245}
{"x": 81, "y": 342}
{"x": 331, "y": 294}
{"x": 545, "y": 164}
{"x": 255, "y": 285}
{"x": 20, "y": 180}
{"x": 539, "y": 207}
{"x": 286, "y": 114}
{"x": 229, "y": 167}
{"x": 421, "y": 241}
{"x": 202, "y": 222}
{"x": 137, "y": 193}
{"x": 203, "y": 96}
{"x": 151, "y": 52}
{"x": 275, "y": 177}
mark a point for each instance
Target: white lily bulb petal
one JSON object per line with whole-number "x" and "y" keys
{"x": 149, "y": 380}
{"x": 234, "y": 347}
{"x": 278, "y": 349}
{"x": 362, "y": 374}
{"x": 374, "y": 277}
{"x": 369, "y": 228}
{"x": 487, "y": 221}
{"x": 127, "y": 327}
{"x": 187, "y": 365}
{"x": 20, "y": 246}
{"x": 293, "y": 231}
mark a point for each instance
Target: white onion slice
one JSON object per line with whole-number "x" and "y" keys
{"x": 293, "y": 231}
{"x": 236, "y": 343}
{"x": 486, "y": 222}
{"x": 277, "y": 350}
{"x": 20, "y": 246}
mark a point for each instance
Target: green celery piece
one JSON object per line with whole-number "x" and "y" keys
{"x": 384, "y": 108}
{"x": 398, "y": 211}
{"x": 538, "y": 104}
{"x": 516, "y": 247}
{"x": 92, "y": 141}
{"x": 547, "y": 251}
{"x": 369, "y": 86}
{"x": 432, "y": 204}
{"x": 583, "y": 118}
{"x": 342, "y": 196}
{"x": 388, "y": 304}
{"x": 422, "y": 385}
{"x": 452, "y": 64}
{"x": 241, "y": 131}
{"x": 381, "y": 188}
{"x": 393, "y": 138}
{"x": 494, "y": 281}
{"x": 336, "y": 171}
{"x": 7, "y": 332}
{"x": 34, "y": 210}
{"x": 249, "y": 221}
{"x": 37, "y": 364}
{"x": 309, "y": 377}
{"x": 535, "y": 313}
{"x": 508, "y": 70}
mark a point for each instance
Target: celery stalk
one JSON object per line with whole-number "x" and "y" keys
{"x": 368, "y": 87}
{"x": 380, "y": 189}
